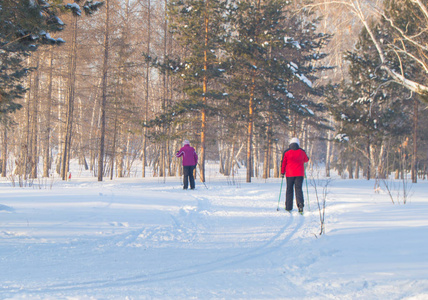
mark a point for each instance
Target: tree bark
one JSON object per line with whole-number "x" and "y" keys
{"x": 70, "y": 104}
{"x": 48, "y": 111}
{"x": 4, "y": 153}
{"x": 104, "y": 94}
{"x": 369, "y": 159}
{"x": 146, "y": 106}
{"x": 204, "y": 87}
{"x": 250, "y": 128}
{"x": 415, "y": 142}
{"x": 34, "y": 120}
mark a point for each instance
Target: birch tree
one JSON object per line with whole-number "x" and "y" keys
{"x": 408, "y": 23}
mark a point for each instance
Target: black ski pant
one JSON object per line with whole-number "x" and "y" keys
{"x": 294, "y": 184}
{"x": 188, "y": 176}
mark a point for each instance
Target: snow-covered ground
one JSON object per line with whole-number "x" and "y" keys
{"x": 149, "y": 239}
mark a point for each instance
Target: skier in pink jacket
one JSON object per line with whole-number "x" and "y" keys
{"x": 190, "y": 160}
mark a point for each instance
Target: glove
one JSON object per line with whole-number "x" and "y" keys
{"x": 282, "y": 175}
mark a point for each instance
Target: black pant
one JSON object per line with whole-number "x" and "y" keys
{"x": 188, "y": 176}
{"x": 297, "y": 183}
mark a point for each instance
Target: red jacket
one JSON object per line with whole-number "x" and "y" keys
{"x": 190, "y": 158}
{"x": 293, "y": 161}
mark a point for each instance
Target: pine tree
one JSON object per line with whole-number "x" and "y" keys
{"x": 199, "y": 27}
{"x": 272, "y": 56}
{"x": 24, "y": 25}
{"x": 367, "y": 108}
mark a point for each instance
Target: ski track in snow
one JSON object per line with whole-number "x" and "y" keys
{"x": 155, "y": 241}
{"x": 284, "y": 235}
{"x": 185, "y": 226}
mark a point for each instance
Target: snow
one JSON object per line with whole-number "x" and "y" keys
{"x": 310, "y": 111}
{"x": 290, "y": 40}
{"x": 293, "y": 67}
{"x": 342, "y": 137}
{"x": 304, "y": 79}
{"x": 75, "y": 7}
{"x": 135, "y": 238}
{"x": 58, "y": 21}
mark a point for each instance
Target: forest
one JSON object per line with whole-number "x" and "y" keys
{"x": 117, "y": 83}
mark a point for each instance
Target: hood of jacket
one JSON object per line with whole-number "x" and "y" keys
{"x": 294, "y": 146}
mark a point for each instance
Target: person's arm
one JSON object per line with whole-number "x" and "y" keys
{"x": 305, "y": 157}
{"x": 283, "y": 164}
{"x": 179, "y": 153}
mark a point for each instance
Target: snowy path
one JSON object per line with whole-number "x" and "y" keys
{"x": 144, "y": 239}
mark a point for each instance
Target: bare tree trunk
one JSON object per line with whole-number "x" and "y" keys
{"x": 48, "y": 111}
{"x": 369, "y": 159}
{"x": 128, "y": 151}
{"x": 34, "y": 120}
{"x": 93, "y": 129}
{"x": 83, "y": 144}
{"x": 415, "y": 142}
{"x": 230, "y": 159}
{"x": 61, "y": 129}
{"x": 146, "y": 109}
{"x": 25, "y": 146}
{"x": 221, "y": 156}
{"x": 276, "y": 161}
{"x": 113, "y": 150}
{"x": 328, "y": 153}
{"x": 104, "y": 94}
{"x": 119, "y": 163}
{"x": 256, "y": 156}
{"x": 381, "y": 162}
{"x": 267, "y": 152}
{"x": 4, "y": 153}
{"x": 70, "y": 104}
{"x": 204, "y": 88}
{"x": 250, "y": 129}
{"x": 357, "y": 169}
{"x": 161, "y": 158}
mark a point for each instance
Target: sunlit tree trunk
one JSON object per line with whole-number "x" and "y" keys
{"x": 369, "y": 157}
{"x": 113, "y": 148}
{"x": 415, "y": 142}
{"x": 250, "y": 130}
{"x": 4, "y": 153}
{"x": 267, "y": 152}
{"x": 26, "y": 142}
{"x": 204, "y": 99}
{"x": 34, "y": 120}
{"x": 48, "y": 111}
{"x": 70, "y": 104}
{"x": 94, "y": 126}
{"x": 146, "y": 106}
{"x": 104, "y": 95}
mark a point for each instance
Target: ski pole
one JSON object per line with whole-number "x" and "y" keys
{"x": 201, "y": 177}
{"x": 307, "y": 192}
{"x": 279, "y": 199}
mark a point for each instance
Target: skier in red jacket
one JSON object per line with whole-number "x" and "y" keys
{"x": 293, "y": 166}
{"x": 190, "y": 160}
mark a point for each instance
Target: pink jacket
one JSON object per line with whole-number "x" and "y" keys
{"x": 190, "y": 158}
